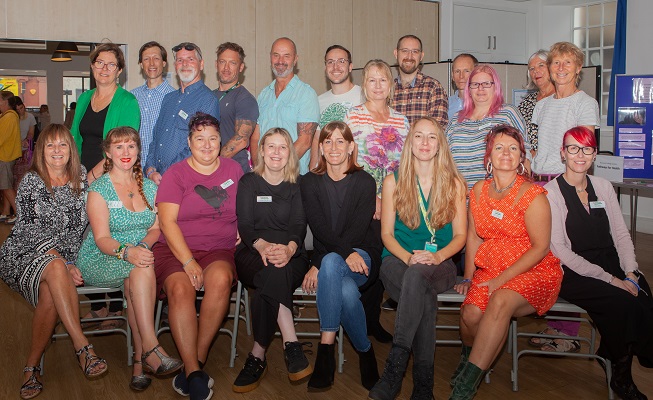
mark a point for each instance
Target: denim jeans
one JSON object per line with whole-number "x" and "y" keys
{"x": 416, "y": 289}
{"x": 338, "y": 299}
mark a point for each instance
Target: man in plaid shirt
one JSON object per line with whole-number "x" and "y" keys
{"x": 417, "y": 95}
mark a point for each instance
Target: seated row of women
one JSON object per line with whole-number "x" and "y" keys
{"x": 215, "y": 226}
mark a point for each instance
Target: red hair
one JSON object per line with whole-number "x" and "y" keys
{"x": 582, "y": 135}
{"x": 506, "y": 130}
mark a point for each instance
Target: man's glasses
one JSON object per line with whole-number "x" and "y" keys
{"x": 573, "y": 149}
{"x": 486, "y": 85}
{"x": 414, "y": 52}
{"x": 188, "y": 46}
{"x": 99, "y": 64}
{"x": 331, "y": 62}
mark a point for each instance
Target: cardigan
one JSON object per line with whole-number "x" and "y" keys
{"x": 356, "y": 227}
{"x": 123, "y": 111}
{"x": 561, "y": 245}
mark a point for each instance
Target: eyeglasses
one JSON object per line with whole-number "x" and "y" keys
{"x": 573, "y": 149}
{"x": 188, "y": 46}
{"x": 414, "y": 52}
{"x": 485, "y": 85}
{"x": 99, "y": 64}
{"x": 331, "y": 62}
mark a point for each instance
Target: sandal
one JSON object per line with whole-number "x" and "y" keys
{"x": 91, "y": 361}
{"x": 92, "y": 324}
{"x": 541, "y": 341}
{"x": 139, "y": 382}
{"x": 168, "y": 364}
{"x": 562, "y": 346}
{"x": 32, "y": 387}
{"x": 114, "y": 323}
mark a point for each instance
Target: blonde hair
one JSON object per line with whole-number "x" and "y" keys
{"x": 385, "y": 70}
{"x": 291, "y": 170}
{"x": 445, "y": 187}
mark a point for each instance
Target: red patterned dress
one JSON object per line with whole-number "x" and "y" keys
{"x": 501, "y": 225}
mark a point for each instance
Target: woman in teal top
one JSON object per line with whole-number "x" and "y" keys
{"x": 124, "y": 228}
{"x": 423, "y": 224}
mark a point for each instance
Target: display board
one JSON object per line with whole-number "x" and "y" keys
{"x": 633, "y": 124}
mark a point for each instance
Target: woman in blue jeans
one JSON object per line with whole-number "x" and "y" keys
{"x": 339, "y": 203}
{"x": 423, "y": 224}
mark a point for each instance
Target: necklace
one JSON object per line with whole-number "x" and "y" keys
{"x": 494, "y": 186}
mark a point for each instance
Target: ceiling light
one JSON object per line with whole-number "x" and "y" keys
{"x": 58, "y": 56}
{"x": 67, "y": 47}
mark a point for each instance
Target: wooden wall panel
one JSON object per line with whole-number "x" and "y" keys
{"x": 313, "y": 25}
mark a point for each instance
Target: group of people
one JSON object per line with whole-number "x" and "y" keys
{"x": 380, "y": 173}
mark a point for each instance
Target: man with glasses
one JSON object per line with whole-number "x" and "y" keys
{"x": 417, "y": 95}
{"x": 153, "y": 58}
{"x": 343, "y": 95}
{"x": 287, "y": 103}
{"x": 462, "y": 66}
{"x": 238, "y": 108}
{"x": 170, "y": 136}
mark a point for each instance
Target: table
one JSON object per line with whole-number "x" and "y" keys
{"x": 633, "y": 188}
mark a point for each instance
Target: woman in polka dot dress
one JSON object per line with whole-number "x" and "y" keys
{"x": 509, "y": 271}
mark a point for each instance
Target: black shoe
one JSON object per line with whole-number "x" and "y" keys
{"x": 368, "y": 368}
{"x": 379, "y": 333}
{"x": 180, "y": 383}
{"x": 296, "y": 361}
{"x": 422, "y": 382}
{"x": 389, "y": 385}
{"x": 198, "y": 386}
{"x": 389, "y": 305}
{"x": 325, "y": 368}
{"x": 249, "y": 378}
{"x": 622, "y": 380}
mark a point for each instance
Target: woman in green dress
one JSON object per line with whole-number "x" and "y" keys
{"x": 124, "y": 228}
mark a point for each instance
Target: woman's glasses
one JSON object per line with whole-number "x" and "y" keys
{"x": 573, "y": 149}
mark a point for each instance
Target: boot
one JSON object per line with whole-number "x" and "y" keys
{"x": 467, "y": 383}
{"x": 464, "y": 357}
{"x": 622, "y": 380}
{"x": 325, "y": 368}
{"x": 388, "y": 387}
{"x": 422, "y": 382}
{"x": 369, "y": 369}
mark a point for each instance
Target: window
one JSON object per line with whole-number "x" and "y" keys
{"x": 594, "y": 30}
{"x": 74, "y": 84}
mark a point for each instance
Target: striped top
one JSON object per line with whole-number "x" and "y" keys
{"x": 379, "y": 143}
{"x": 467, "y": 141}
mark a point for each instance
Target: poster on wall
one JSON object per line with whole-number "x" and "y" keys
{"x": 633, "y": 129}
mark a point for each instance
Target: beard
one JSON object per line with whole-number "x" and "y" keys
{"x": 408, "y": 67}
{"x": 283, "y": 73}
{"x": 187, "y": 76}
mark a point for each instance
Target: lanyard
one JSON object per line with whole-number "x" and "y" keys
{"x": 228, "y": 90}
{"x": 422, "y": 208}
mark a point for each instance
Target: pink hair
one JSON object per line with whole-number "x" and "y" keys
{"x": 582, "y": 135}
{"x": 468, "y": 103}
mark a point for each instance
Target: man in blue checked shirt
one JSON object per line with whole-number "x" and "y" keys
{"x": 153, "y": 58}
{"x": 170, "y": 136}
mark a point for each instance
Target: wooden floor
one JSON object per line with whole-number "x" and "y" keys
{"x": 539, "y": 378}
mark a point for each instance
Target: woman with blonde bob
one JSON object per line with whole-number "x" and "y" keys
{"x": 423, "y": 224}
{"x": 271, "y": 256}
{"x": 339, "y": 201}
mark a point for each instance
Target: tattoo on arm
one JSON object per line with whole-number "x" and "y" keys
{"x": 305, "y": 132}
{"x": 243, "y": 131}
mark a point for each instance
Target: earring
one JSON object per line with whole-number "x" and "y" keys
{"x": 523, "y": 169}
{"x": 564, "y": 160}
{"x": 488, "y": 167}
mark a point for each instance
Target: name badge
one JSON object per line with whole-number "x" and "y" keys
{"x": 597, "y": 204}
{"x": 264, "y": 199}
{"x": 430, "y": 246}
{"x": 227, "y": 183}
{"x": 114, "y": 204}
{"x": 183, "y": 114}
{"x": 497, "y": 214}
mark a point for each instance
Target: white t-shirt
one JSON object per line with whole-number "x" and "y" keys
{"x": 553, "y": 118}
{"x": 25, "y": 124}
{"x": 333, "y": 107}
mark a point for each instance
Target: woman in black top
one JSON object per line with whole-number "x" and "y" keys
{"x": 271, "y": 256}
{"x": 339, "y": 201}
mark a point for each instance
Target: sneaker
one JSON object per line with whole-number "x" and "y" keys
{"x": 11, "y": 220}
{"x": 296, "y": 361}
{"x": 249, "y": 378}
{"x": 389, "y": 305}
{"x": 180, "y": 383}
{"x": 198, "y": 385}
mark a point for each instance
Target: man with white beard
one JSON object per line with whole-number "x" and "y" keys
{"x": 170, "y": 136}
{"x": 417, "y": 95}
{"x": 287, "y": 103}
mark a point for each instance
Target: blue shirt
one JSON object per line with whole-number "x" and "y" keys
{"x": 296, "y": 104}
{"x": 455, "y": 105}
{"x": 170, "y": 136}
{"x": 149, "y": 101}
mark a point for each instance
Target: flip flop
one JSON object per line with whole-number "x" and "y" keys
{"x": 562, "y": 346}
{"x": 541, "y": 341}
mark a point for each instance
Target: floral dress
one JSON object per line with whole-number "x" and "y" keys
{"x": 46, "y": 221}
{"x": 526, "y": 108}
{"x": 379, "y": 143}
{"x": 99, "y": 269}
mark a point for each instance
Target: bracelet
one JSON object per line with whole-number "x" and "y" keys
{"x": 119, "y": 251}
{"x": 188, "y": 262}
{"x": 254, "y": 242}
{"x": 611, "y": 279}
{"x": 633, "y": 282}
{"x": 124, "y": 253}
{"x": 150, "y": 173}
{"x": 466, "y": 281}
{"x": 69, "y": 263}
{"x": 143, "y": 245}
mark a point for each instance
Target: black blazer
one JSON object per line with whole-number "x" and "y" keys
{"x": 356, "y": 227}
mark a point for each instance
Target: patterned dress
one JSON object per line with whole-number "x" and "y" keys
{"x": 501, "y": 225}
{"x": 526, "y": 108}
{"x": 46, "y": 221}
{"x": 99, "y": 269}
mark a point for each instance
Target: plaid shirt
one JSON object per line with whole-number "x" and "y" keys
{"x": 425, "y": 97}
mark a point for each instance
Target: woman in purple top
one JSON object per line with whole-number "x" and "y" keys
{"x": 197, "y": 216}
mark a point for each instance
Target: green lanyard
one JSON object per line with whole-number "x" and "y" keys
{"x": 228, "y": 90}
{"x": 422, "y": 208}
